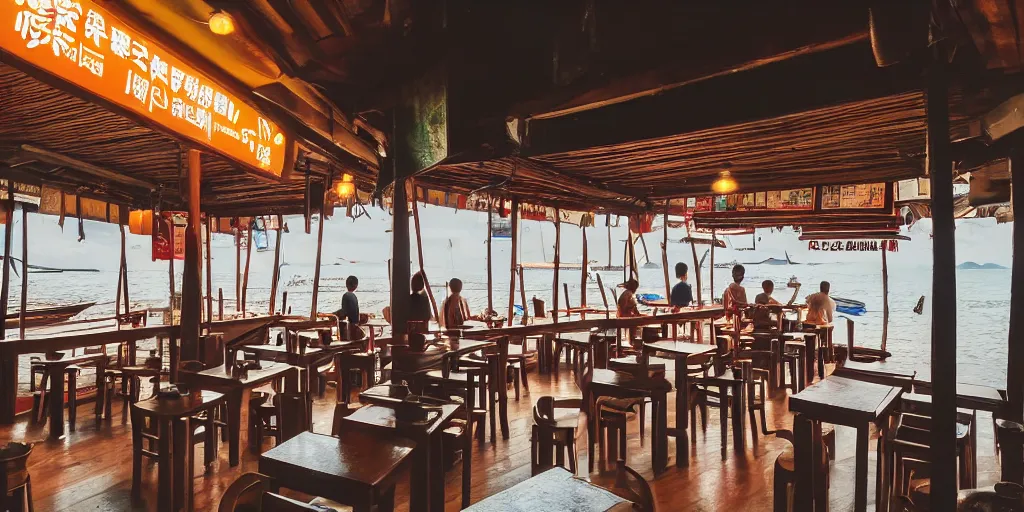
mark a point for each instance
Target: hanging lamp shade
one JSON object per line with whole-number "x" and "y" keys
{"x": 140, "y": 222}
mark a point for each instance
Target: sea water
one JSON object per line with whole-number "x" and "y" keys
{"x": 454, "y": 246}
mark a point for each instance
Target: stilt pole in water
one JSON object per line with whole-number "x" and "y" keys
{"x": 319, "y": 252}
{"x": 558, "y": 263}
{"x": 191, "y": 281}
{"x": 5, "y": 290}
{"x": 220, "y": 304}
{"x": 490, "y": 236}
{"x": 522, "y": 295}
{"x": 885, "y": 301}
{"x": 512, "y": 268}
{"x": 419, "y": 251}
{"x": 24, "y": 271}
{"x": 939, "y": 160}
{"x": 248, "y": 258}
{"x": 277, "y": 265}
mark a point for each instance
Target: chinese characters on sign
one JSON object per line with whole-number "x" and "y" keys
{"x": 85, "y": 45}
{"x": 853, "y": 245}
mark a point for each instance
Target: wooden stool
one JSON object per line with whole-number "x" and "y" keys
{"x": 131, "y": 385}
{"x": 41, "y": 398}
{"x": 785, "y": 475}
{"x": 793, "y": 356}
{"x": 363, "y": 362}
{"x": 14, "y": 472}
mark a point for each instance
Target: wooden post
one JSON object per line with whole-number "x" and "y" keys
{"x": 120, "y": 285}
{"x": 664, "y": 258}
{"x": 604, "y": 297}
{"x": 522, "y": 295}
{"x": 583, "y": 270}
{"x": 885, "y": 300}
{"x": 238, "y": 269}
{"x": 400, "y": 258}
{"x": 712, "y": 269}
{"x": 124, "y": 273}
{"x": 8, "y": 240}
{"x": 558, "y": 263}
{"x": 490, "y": 236}
{"x": 277, "y": 265}
{"x": 608, "y": 222}
{"x": 696, "y": 264}
{"x": 1015, "y": 349}
{"x": 24, "y": 269}
{"x": 419, "y": 251}
{"x": 248, "y": 258}
{"x": 170, "y": 270}
{"x": 319, "y": 253}
{"x": 209, "y": 272}
{"x": 943, "y": 356}
{"x": 512, "y": 268}
{"x": 191, "y": 281}
{"x": 284, "y": 303}
{"x": 220, "y": 303}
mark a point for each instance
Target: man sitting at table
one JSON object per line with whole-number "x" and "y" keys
{"x": 349, "y": 311}
{"x": 820, "y": 307}
{"x": 763, "y": 317}
{"x": 454, "y": 309}
{"x": 682, "y": 294}
{"x": 419, "y": 303}
{"x": 735, "y": 296}
{"x": 627, "y": 305}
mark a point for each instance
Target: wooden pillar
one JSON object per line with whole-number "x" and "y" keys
{"x": 24, "y": 271}
{"x": 558, "y": 263}
{"x": 664, "y": 258}
{"x": 696, "y": 265}
{"x": 238, "y": 268}
{"x": 120, "y": 285}
{"x": 277, "y": 265}
{"x": 124, "y": 273}
{"x": 400, "y": 259}
{"x": 248, "y": 258}
{"x": 419, "y": 251}
{"x": 608, "y": 222}
{"x": 191, "y": 281}
{"x": 220, "y": 304}
{"x": 583, "y": 269}
{"x": 490, "y": 236}
{"x": 1015, "y": 349}
{"x": 512, "y": 268}
{"x": 943, "y": 356}
{"x": 319, "y": 254}
{"x": 8, "y": 239}
{"x": 711, "y": 270}
{"x": 885, "y": 299}
{"x": 209, "y": 272}
{"x": 170, "y": 271}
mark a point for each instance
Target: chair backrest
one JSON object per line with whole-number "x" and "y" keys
{"x": 277, "y": 503}
{"x": 191, "y": 366}
{"x": 245, "y": 494}
{"x": 292, "y": 415}
{"x": 586, "y": 375}
{"x": 631, "y": 486}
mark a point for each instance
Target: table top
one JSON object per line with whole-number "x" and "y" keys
{"x": 555, "y": 490}
{"x": 66, "y": 361}
{"x": 220, "y": 376}
{"x": 682, "y": 348}
{"x": 357, "y": 457}
{"x": 876, "y": 372}
{"x": 186, "y": 405}
{"x": 387, "y": 418}
{"x": 845, "y": 401}
{"x": 280, "y": 353}
{"x": 574, "y": 337}
{"x": 545, "y": 326}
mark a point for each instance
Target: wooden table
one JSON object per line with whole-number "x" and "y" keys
{"x": 359, "y": 469}
{"x": 175, "y": 467}
{"x": 548, "y": 327}
{"x": 840, "y": 401}
{"x": 555, "y": 490}
{"x": 680, "y": 352}
{"x": 55, "y": 370}
{"x": 876, "y": 373}
{"x": 219, "y": 379}
{"x": 810, "y": 341}
{"x": 427, "y": 482}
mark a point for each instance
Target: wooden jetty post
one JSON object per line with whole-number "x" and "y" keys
{"x": 8, "y": 232}
{"x": 120, "y": 284}
{"x": 664, "y": 258}
{"x": 24, "y": 268}
{"x": 209, "y": 272}
{"x": 419, "y": 251}
{"x": 248, "y": 258}
{"x": 220, "y": 304}
{"x": 191, "y": 283}
{"x": 276, "y": 275}
{"x": 490, "y": 274}
{"x": 696, "y": 265}
{"x": 319, "y": 254}
{"x": 943, "y": 357}
{"x": 512, "y": 268}
{"x": 608, "y": 222}
{"x": 238, "y": 266}
{"x": 400, "y": 258}
{"x": 583, "y": 270}
{"x": 558, "y": 263}
{"x": 885, "y": 299}
{"x": 522, "y": 295}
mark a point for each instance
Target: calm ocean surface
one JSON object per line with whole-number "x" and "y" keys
{"x": 454, "y": 247}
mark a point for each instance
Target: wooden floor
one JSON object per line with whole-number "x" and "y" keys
{"x": 91, "y": 469}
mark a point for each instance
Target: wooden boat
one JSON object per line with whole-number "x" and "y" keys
{"x": 47, "y": 316}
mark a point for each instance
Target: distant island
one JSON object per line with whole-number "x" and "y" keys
{"x": 970, "y": 265}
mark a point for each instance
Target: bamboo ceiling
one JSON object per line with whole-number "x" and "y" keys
{"x": 35, "y": 114}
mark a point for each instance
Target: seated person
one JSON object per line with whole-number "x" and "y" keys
{"x": 764, "y": 318}
{"x": 419, "y": 303}
{"x": 627, "y": 305}
{"x": 735, "y": 296}
{"x": 455, "y": 309}
{"x": 349, "y": 312}
{"x": 820, "y": 307}
{"x": 682, "y": 294}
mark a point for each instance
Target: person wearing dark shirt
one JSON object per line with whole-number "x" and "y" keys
{"x": 764, "y": 318}
{"x": 349, "y": 311}
{"x": 419, "y": 303}
{"x": 682, "y": 294}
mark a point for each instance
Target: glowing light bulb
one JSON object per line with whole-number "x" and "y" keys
{"x": 221, "y": 23}
{"x": 279, "y": 139}
{"x": 345, "y": 188}
{"x": 725, "y": 184}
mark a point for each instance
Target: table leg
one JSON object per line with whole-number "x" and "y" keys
{"x": 420, "y": 478}
{"x": 56, "y": 402}
{"x": 8, "y": 387}
{"x": 809, "y": 359}
{"x": 660, "y": 430}
{"x": 436, "y": 473}
{"x": 234, "y": 425}
{"x": 101, "y": 369}
{"x": 164, "y": 465}
{"x": 723, "y": 414}
{"x": 884, "y": 471}
{"x": 591, "y": 408}
{"x": 682, "y": 410}
{"x": 738, "y": 417}
{"x": 803, "y": 462}
{"x": 178, "y": 457}
{"x": 860, "y": 498}
{"x": 467, "y": 457}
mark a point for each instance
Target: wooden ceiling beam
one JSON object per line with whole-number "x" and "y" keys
{"x": 51, "y": 157}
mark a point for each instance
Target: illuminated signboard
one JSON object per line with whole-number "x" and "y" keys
{"x": 85, "y": 45}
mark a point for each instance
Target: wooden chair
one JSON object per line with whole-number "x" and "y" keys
{"x": 631, "y": 486}
{"x": 555, "y": 423}
{"x": 41, "y": 396}
{"x": 14, "y": 472}
{"x": 251, "y": 493}
{"x": 785, "y": 473}
{"x": 468, "y": 385}
{"x": 283, "y": 417}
